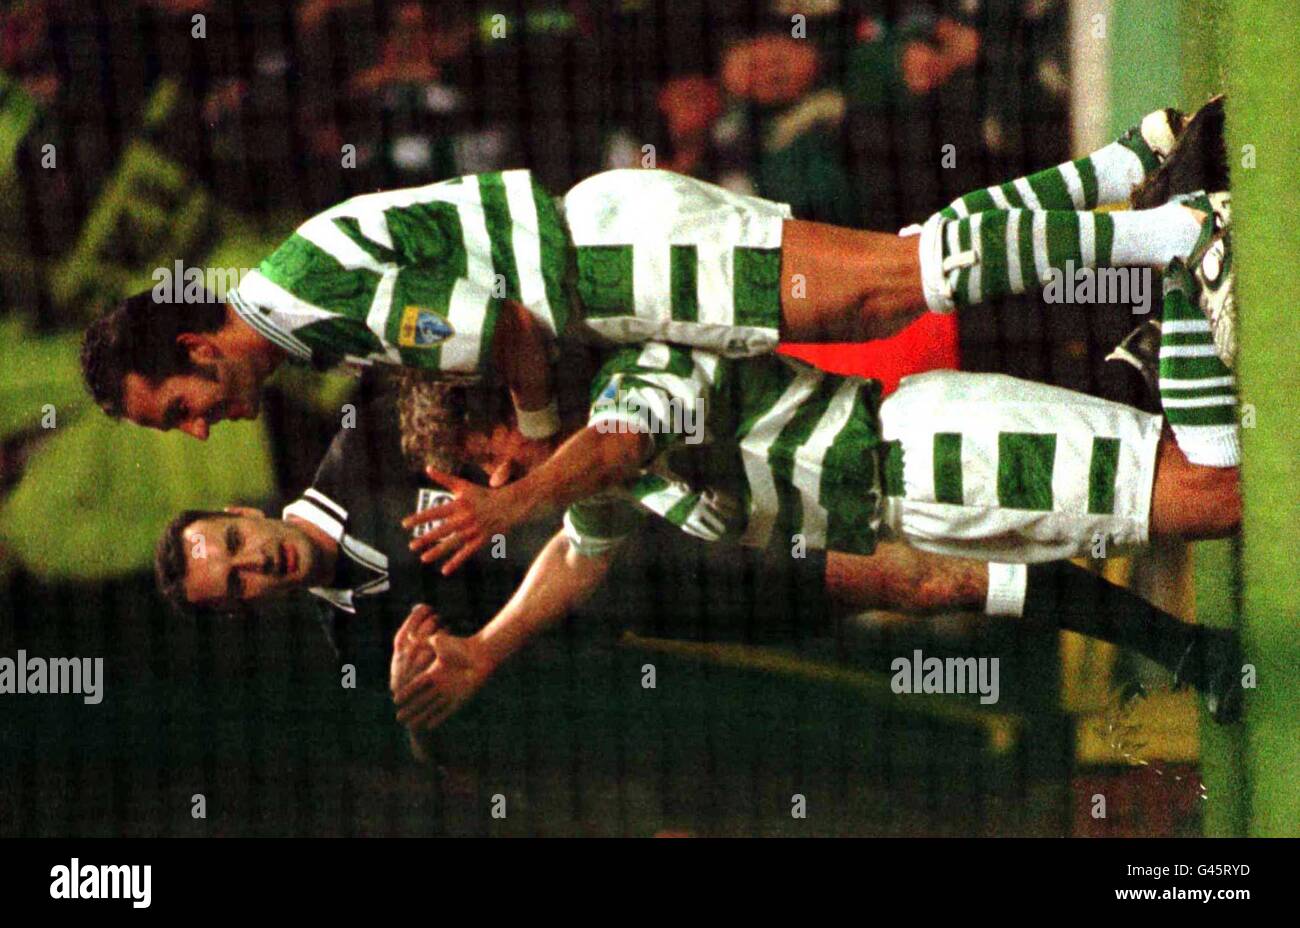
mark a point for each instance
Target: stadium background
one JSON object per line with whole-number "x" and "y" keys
{"x": 209, "y": 149}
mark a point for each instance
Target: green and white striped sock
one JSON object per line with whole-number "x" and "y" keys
{"x": 1000, "y": 252}
{"x": 1198, "y": 391}
{"x": 1108, "y": 175}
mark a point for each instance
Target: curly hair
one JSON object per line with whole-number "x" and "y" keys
{"x": 436, "y": 415}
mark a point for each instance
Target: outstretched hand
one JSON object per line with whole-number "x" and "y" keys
{"x": 412, "y": 650}
{"x": 463, "y": 525}
{"x": 450, "y": 672}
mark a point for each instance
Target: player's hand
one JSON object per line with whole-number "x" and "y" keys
{"x": 412, "y": 648}
{"x": 517, "y": 457}
{"x": 458, "y": 669}
{"x": 465, "y": 524}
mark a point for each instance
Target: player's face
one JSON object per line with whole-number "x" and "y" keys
{"x": 244, "y": 558}
{"x": 223, "y": 388}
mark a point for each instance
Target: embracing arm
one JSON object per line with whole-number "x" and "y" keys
{"x": 559, "y": 580}
{"x": 521, "y": 354}
{"x": 454, "y": 669}
{"x": 591, "y": 461}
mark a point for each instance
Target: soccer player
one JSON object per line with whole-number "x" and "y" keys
{"x": 481, "y": 274}
{"x": 770, "y": 451}
{"x": 341, "y": 542}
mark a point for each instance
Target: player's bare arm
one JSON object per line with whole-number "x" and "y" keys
{"x": 521, "y": 353}
{"x": 591, "y": 461}
{"x": 456, "y": 668}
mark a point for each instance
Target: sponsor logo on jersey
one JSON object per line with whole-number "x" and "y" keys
{"x": 427, "y": 498}
{"x": 423, "y": 328}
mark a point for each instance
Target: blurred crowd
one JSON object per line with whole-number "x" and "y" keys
{"x": 838, "y": 107}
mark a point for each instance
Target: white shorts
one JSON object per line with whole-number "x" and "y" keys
{"x": 663, "y": 257}
{"x": 1001, "y": 469}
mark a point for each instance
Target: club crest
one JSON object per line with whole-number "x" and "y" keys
{"x": 423, "y": 328}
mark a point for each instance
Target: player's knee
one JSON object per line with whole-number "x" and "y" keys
{"x": 1219, "y": 489}
{"x": 1227, "y": 497}
{"x": 881, "y": 317}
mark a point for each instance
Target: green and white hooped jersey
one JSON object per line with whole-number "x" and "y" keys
{"x": 413, "y": 277}
{"x": 765, "y": 451}
{"x": 968, "y": 465}
{"x": 417, "y": 277}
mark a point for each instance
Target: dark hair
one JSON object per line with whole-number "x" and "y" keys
{"x": 139, "y": 336}
{"x": 171, "y": 559}
{"x": 1199, "y": 160}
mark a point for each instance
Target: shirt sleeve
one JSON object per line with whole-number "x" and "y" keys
{"x": 346, "y": 304}
{"x": 598, "y": 525}
{"x": 661, "y": 390}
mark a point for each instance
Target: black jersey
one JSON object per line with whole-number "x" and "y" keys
{"x": 361, "y": 492}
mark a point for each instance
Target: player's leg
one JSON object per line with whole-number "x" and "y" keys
{"x": 1109, "y": 175}
{"x": 1056, "y": 595}
{"x": 1209, "y": 659}
{"x": 905, "y": 579}
{"x": 1193, "y": 501}
{"x": 1036, "y": 231}
{"x": 998, "y": 253}
{"x": 664, "y": 257}
{"x": 1079, "y": 600}
{"x": 1197, "y": 382}
{"x": 1186, "y": 356}
{"x": 848, "y": 285}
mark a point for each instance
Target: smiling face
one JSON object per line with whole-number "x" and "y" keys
{"x": 244, "y": 557}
